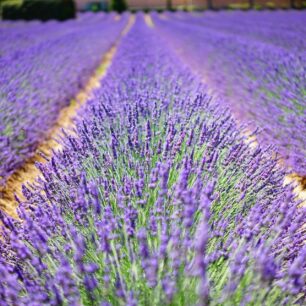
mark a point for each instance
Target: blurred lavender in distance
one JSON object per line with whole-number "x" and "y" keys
{"x": 43, "y": 66}
{"x": 256, "y": 62}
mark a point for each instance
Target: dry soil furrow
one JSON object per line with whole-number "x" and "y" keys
{"x": 28, "y": 172}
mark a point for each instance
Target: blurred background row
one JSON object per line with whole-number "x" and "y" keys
{"x": 65, "y": 9}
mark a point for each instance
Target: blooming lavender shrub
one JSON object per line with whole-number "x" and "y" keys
{"x": 40, "y": 73}
{"x": 157, "y": 200}
{"x": 18, "y": 36}
{"x": 256, "y": 63}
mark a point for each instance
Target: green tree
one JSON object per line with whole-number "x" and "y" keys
{"x": 118, "y": 5}
{"x": 169, "y": 5}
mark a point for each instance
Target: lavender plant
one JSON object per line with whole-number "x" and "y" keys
{"x": 18, "y": 36}
{"x": 256, "y": 63}
{"x": 157, "y": 200}
{"x": 282, "y": 29}
{"x": 42, "y": 68}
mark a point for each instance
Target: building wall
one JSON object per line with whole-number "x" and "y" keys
{"x": 262, "y": 3}
{"x": 163, "y": 3}
{"x": 145, "y": 4}
{"x": 203, "y": 3}
{"x": 80, "y": 4}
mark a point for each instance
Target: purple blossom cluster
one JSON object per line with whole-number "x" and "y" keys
{"x": 255, "y": 62}
{"x": 43, "y": 66}
{"x": 157, "y": 200}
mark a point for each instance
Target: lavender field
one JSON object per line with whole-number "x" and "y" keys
{"x": 42, "y": 67}
{"x": 170, "y": 187}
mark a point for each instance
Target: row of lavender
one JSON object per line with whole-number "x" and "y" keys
{"x": 43, "y": 66}
{"x": 278, "y": 28}
{"x": 17, "y": 36}
{"x": 156, "y": 201}
{"x": 256, "y": 62}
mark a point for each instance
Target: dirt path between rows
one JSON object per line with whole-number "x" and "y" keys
{"x": 148, "y": 20}
{"x": 28, "y": 172}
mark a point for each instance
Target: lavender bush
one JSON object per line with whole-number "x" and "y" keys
{"x": 281, "y": 29}
{"x": 41, "y": 71}
{"x": 17, "y": 37}
{"x": 158, "y": 200}
{"x": 256, "y": 63}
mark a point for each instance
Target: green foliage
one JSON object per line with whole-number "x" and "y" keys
{"x": 11, "y": 11}
{"x": 270, "y": 5}
{"x": 239, "y": 6}
{"x": 96, "y": 6}
{"x": 10, "y": 2}
{"x": 118, "y": 5}
{"x": 40, "y": 9}
{"x": 258, "y": 7}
